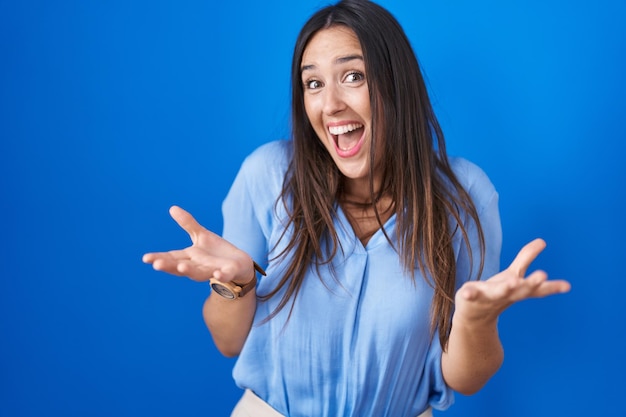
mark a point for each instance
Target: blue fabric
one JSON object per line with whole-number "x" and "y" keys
{"x": 357, "y": 345}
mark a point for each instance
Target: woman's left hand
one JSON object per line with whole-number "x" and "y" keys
{"x": 483, "y": 301}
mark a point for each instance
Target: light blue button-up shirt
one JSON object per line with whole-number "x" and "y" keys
{"x": 358, "y": 343}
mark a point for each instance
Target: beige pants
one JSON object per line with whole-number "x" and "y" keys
{"x": 252, "y": 406}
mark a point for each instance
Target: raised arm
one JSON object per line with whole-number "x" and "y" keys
{"x": 210, "y": 256}
{"x": 474, "y": 352}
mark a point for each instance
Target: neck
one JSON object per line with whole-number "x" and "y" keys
{"x": 358, "y": 191}
{"x": 365, "y": 216}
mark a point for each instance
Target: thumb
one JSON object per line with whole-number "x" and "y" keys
{"x": 186, "y": 221}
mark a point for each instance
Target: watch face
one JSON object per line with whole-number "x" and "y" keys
{"x": 222, "y": 290}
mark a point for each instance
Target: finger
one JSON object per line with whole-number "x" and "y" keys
{"x": 182, "y": 267}
{"x": 168, "y": 265}
{"x": 536, "y": 278}
{"x": 521, "y": 288}
{"x": 552, "y": 287}
{"x": 526, "y": 256}
{"x": 200, "y": 266}
{"x": 226, "y": 272}
{"x": 195, "y": 271}
{"x": 536, "y": 285}
{"x": 491, "y": 291}
{"x": 148, "y": 258}
{"x": 173, "y": 254}
{"x": 469, "y": 292}
{"x": 186, "y": 221}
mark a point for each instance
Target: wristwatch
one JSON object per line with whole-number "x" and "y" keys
{"x": 233, "y": 290}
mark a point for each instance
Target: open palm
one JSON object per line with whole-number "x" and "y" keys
{"x": 485, "y": 300}
{"x": 208, "y": 257}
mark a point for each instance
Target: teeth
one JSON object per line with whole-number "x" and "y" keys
{"x": 341, "y": 130}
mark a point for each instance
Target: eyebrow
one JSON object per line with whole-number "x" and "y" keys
{"x": 340, "y": 60}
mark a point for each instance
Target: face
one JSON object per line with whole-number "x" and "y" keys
{"x": 336, "y": 99}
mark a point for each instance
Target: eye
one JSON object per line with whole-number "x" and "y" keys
{"x": 355, "y": 77}
{"x": 312, "y": 84}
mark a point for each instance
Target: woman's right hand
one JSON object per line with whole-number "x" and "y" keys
{"x": 208, "y": 257}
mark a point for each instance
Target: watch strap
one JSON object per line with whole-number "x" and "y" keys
{"x": 233, "y": 290}
{"x": 245, "y": 288}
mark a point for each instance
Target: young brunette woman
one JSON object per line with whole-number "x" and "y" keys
{"x": 381, "y": 291}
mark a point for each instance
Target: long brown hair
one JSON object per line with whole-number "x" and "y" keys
{"x": 416, "y": 171}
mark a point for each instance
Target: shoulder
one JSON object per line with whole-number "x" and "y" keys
{"x": 263, "y": 171}
{"x": 474, "y": 180}
{"x": 249, "y": 204}
{"x": 468, "y": 173}
{"x": 275, "y": 154}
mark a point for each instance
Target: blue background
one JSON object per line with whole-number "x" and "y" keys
{"x": 111, "y": 111}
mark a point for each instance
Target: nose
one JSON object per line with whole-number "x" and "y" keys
{"x": 333, "y": 100}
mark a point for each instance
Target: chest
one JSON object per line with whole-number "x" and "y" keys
{"x": 360, "y": 305}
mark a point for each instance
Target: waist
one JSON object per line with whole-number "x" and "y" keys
{"x": 250, "y": 405}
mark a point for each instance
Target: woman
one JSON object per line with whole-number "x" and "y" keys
{"x": 374, "y": 242}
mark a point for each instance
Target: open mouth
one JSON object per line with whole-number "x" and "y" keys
{"x": 348, "y": 138}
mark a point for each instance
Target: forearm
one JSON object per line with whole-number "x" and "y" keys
{"x": 473, "y": 355}
{"x": 229, "y": 321}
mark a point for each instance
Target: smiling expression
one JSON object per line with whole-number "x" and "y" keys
{"x": 336, "y": 99}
